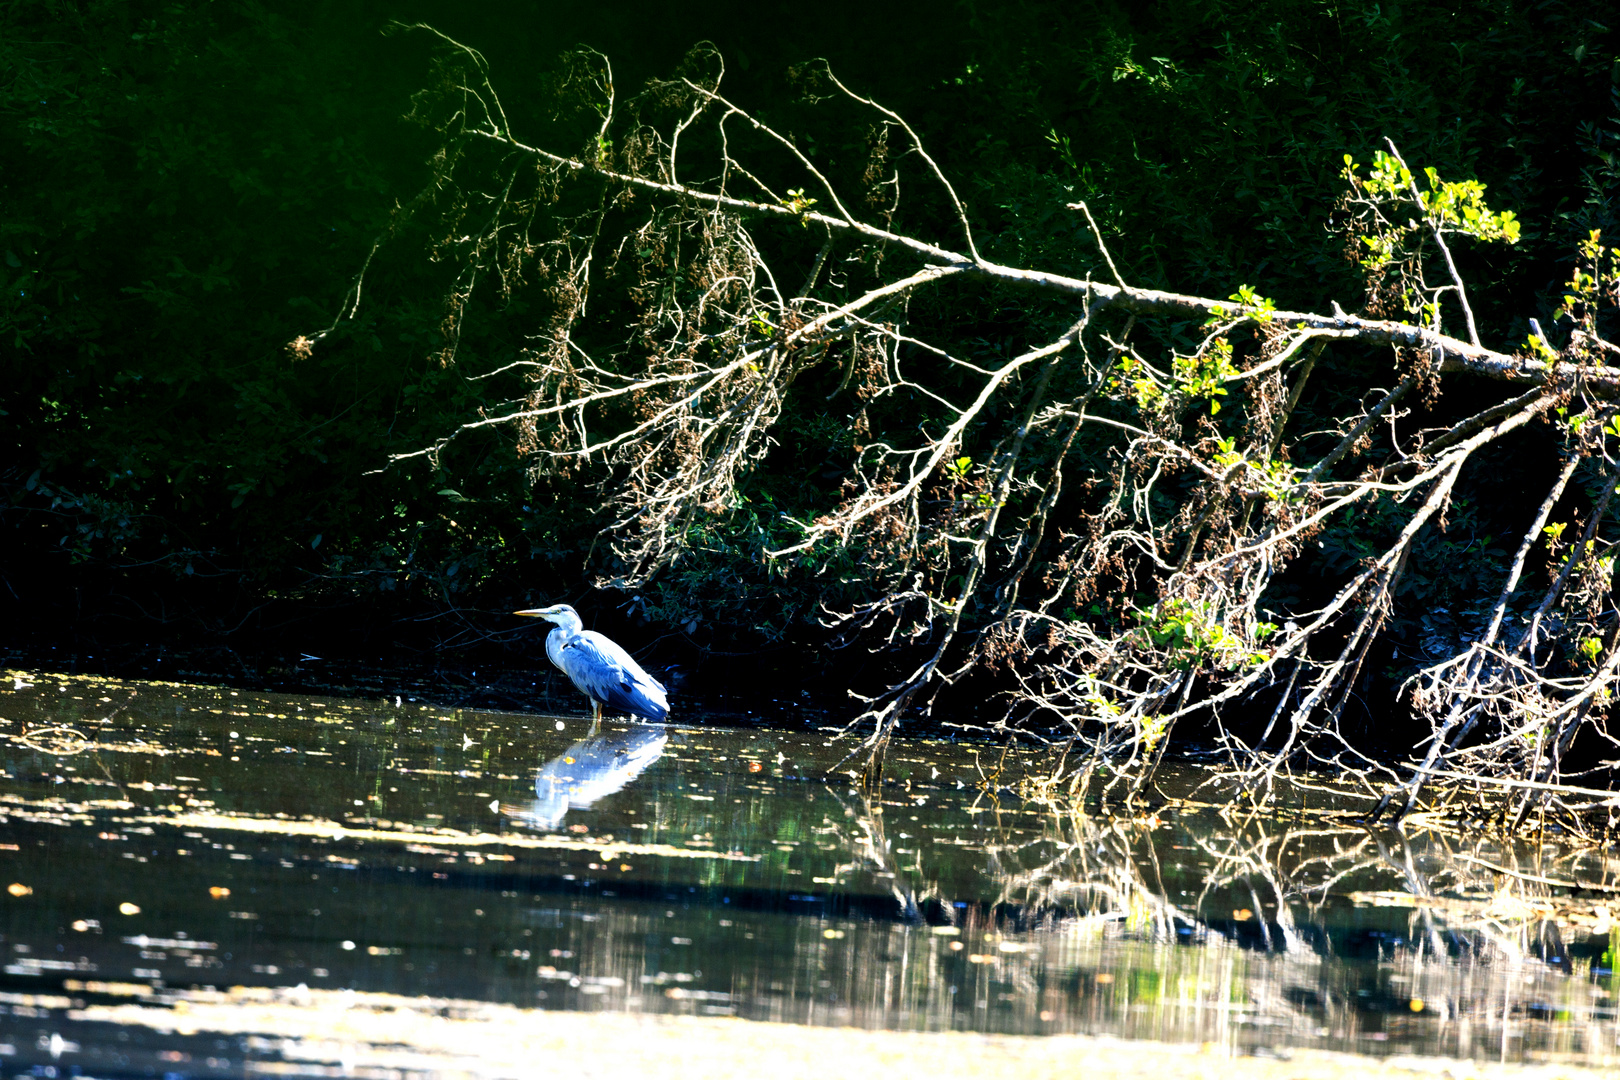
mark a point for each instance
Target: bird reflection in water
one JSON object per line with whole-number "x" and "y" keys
{"x": 591, "y": 769}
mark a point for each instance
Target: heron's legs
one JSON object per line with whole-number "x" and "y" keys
{"x": 596, "y": 713}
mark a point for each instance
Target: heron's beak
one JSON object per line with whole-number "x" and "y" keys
{"x": 534, "y": 613}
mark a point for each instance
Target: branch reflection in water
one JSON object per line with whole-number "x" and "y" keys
{"x": 1288, "y": 949}
{"x": 1192, "y": 923}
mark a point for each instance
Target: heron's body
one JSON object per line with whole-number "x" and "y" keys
{"x": 600, "y": 668}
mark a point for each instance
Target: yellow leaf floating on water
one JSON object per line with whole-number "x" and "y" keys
{"x": 127, "y": 908}
{"x": 218, "y": 892}
{"x": 19, "y": 889}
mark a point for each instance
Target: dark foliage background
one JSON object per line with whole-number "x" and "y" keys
{"x": 189, "y": 187}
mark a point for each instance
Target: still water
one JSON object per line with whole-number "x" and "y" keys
{"x": 190, "y": 870}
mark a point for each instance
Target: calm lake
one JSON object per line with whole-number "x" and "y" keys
{"x": 201, "y": 881}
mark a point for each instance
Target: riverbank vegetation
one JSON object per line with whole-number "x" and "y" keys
{"x": 1223, "y": 378}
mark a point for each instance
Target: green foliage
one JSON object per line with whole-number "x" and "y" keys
{"x": 1449, "y": 206}
{"x": 1596, "y": 279}
{"x": 1252, "y": 305}
{"x": 1538, "y": 348}
{"x": 1395, "y": 223}
{"x": 799, "y": 203}
{"x": 1194, "y": 638}
{"x": 1143, "y": 389}
{"x": 1203, "y": 376}
{"x": 1213, "y": 152}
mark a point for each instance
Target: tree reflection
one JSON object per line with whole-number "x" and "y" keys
{"x": 1196, "y": 922}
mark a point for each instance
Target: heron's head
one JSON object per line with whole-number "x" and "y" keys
{"x": 560, "y": 614}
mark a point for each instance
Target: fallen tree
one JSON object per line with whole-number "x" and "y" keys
{"x": 1122, "y": 600}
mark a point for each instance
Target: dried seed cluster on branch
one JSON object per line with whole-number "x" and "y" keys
{"x": 1122, "y": 600}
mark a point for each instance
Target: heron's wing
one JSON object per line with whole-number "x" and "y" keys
{"x": 604, "y": 671}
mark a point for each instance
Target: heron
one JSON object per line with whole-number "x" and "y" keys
{"x": 601, "y": 669}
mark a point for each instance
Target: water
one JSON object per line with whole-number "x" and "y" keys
{"x": 205, "y": 873}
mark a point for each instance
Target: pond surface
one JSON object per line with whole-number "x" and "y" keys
{"x": 182, "y": 862}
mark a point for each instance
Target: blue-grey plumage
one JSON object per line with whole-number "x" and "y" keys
{"x": 591, "y": 769}
{"x": 602, "y": 670}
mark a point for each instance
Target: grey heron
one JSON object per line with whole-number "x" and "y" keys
{"x": 601, "y": 669}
